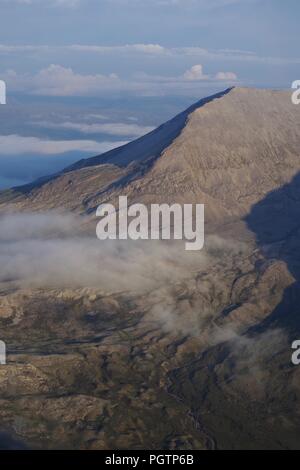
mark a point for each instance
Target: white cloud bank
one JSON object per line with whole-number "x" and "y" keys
{"x": 116, "y": 129}
{"x": 229, "y": 76}
{"x": 57, "y": 80}
{"x": 19, "y": 145}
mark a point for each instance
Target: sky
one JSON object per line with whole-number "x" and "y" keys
{"x": 84, "y": 76}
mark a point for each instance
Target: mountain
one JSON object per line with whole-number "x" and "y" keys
{"x": 226, "y": 151}
{"x": 132, "y": 346}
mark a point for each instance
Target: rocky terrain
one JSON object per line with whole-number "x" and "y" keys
{"x": 142, "y": 345}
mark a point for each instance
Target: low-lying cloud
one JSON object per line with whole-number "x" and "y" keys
{"x": 51, "y": 250}
{"x": 44, "y": 250}
{"x": 18, "y": 145}
{"x": 120, "y": 129}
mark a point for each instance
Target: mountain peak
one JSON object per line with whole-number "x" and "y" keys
{"x": 150, "y": 145}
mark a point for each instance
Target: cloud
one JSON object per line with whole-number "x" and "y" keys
{"x": 189, "y": 313}
{"x": 152, "y": 50}
{"x": 57, "y": 80}
{"x": 227, "y": 76}
{"x": 61, "y": 3}
{"x": 36, "y": 226}
{"x": 249, "y": 355}
{"x": 195, "y": 73}
{"x": 115, "y": 129}
{"x": 144, "y": 49}
{"x": 60, "y": 81}
{"x": 211, "y": 4}
{"x": 147, "y": 49}
{"x": 18, "y": 145}
{"x": 45, "y": 250}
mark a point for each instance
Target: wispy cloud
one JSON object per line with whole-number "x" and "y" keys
{"x": 61, "y": 3}
{"x": 211, "y": 4}
{"x": 179, "y": 3}
{"x": 129, "y": 48}
{"x": 152, "y": 50}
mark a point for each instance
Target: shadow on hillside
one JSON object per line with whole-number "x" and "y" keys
{"x": 275, "y": 220}
{"x": 7, "y": 442}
